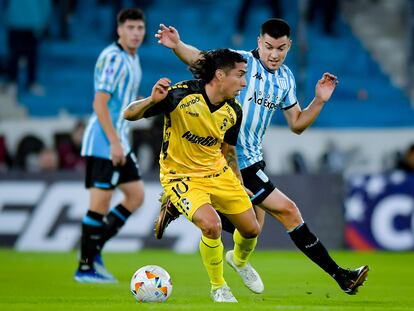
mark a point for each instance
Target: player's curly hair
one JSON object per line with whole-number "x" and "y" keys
{"x": 205, "y": 67}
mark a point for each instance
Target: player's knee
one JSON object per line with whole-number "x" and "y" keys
{"x": 251, "y": 231}
{"x": 291, "y": 214}
{"x": 290, "y": 209}
{"x": 211, "y": 228}
{"x": 134, "y": 200}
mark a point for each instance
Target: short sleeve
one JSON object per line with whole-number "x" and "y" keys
{"x": 232, "y": 133}
{"x": 290, "y": 98}
{"x": 108, "y": 72}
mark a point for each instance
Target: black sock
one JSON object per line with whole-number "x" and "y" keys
{"x": 310, "y": 245}
{"x": 92, "y": 229}
{"x": 114, "y": 221}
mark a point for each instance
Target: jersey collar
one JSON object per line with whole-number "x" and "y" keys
{"x": 210, "y": 106}
{"x": 255, "y": 53}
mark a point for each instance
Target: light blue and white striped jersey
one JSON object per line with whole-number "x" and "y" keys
{"x": 265, "y": 92}
{"x": 117, "y": 73}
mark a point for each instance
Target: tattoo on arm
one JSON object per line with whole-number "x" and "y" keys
{"x": 135, "y": 110}
{"x": 231, "y": 158}
{"x": 132, "y": 108}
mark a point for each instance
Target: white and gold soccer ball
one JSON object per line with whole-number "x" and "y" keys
{"x": 151, "y": 284}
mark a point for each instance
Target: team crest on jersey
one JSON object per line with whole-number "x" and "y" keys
{"x": 282, "y": 83}
{"x": 109, "y": 71}
{"x": 224, "y": 124}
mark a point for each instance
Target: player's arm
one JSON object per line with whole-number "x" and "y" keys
{"x": 170, "y": 38}
{"x": 230, "y": 154}
{"x": 136, "y": 109}
{"x": 298, "y": 119}
{"x": 100, "y": 106}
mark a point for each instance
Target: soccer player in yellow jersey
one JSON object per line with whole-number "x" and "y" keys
{"x": 198, "y": 162}
{"x": 270, "y": 87}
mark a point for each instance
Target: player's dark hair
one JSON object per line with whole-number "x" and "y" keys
{"x": 205, "y": 67}
{"x": 276, "y": 28}
{"x": 130, "y": 14}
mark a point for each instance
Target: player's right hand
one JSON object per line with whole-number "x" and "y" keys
{"x": 168, "y": 36}
{"x": 117, "y": 154}
{"x": 160, "y": 90}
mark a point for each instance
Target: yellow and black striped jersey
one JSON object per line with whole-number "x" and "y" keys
{"x": 194, "y": 130}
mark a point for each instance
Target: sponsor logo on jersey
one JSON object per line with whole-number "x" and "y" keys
{"x": 232, "y": 121}
{"x": 200, "y": 140}
{"x": 258, "y": 76}
{"x": 189, "y": 103}
{"x": 262, "y": 101}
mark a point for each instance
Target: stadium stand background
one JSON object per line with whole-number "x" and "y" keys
{"x": 366, "y": 103}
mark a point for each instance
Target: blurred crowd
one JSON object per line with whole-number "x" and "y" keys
{"x": 33, "y": 155}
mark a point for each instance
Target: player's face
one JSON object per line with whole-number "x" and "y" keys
{"x": 273, "y": 51}
{"x": 131, "y": 33}
{"x": 234, "y": 81}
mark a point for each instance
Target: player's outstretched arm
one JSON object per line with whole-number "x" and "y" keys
{"x": 170, "y": 38}
{"x": 299, "y": 120}
{"x": 136, "y": 109}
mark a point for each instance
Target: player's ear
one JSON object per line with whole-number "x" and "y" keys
{"x": 290, "y": 43}
{"x": 220, "y": 74}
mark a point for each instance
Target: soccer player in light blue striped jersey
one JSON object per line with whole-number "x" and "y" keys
{"x": 270, "y": 87}
{"x": 110, "y": 162}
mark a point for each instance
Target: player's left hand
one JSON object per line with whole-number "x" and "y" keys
{"x": 325, "y": 87}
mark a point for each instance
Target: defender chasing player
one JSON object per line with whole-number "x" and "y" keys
{"x": 270, "y": 81}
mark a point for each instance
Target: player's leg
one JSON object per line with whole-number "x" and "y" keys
{"x": 92, "y": 232}
{"x": 132, "y": 187}
{"x": 211, "y": 250}
{"x": 192, "y": 200}
{"x": 245, "y": 240}
{"x": 257, "y": 184}
{"x": 211, "y": 247}
{"x": 245, "y": 235}
{"x": 99, "y": 174}
{"x": 283, "y": 209}
{"x": 118, "y": 215}
{"x": 277, "y": 204}
{"x": 168, "y": 213}
{"x": 238, "y": 209}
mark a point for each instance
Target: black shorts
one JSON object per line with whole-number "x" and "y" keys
{"x": 102, "y": 174}
{"x": 256, "y": 180}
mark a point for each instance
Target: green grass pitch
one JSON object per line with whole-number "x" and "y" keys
{"x": 44, "y": 281}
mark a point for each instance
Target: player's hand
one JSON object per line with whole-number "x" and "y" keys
{"x": 325, "y": 87}
{"x": 249, "y": 193}
{"x": 168, "y": 36}
{"x": 160, "y": 90}
{"x": 117, "y": 154}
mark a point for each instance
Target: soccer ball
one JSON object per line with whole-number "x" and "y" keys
{"x": 151, "y": 284}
